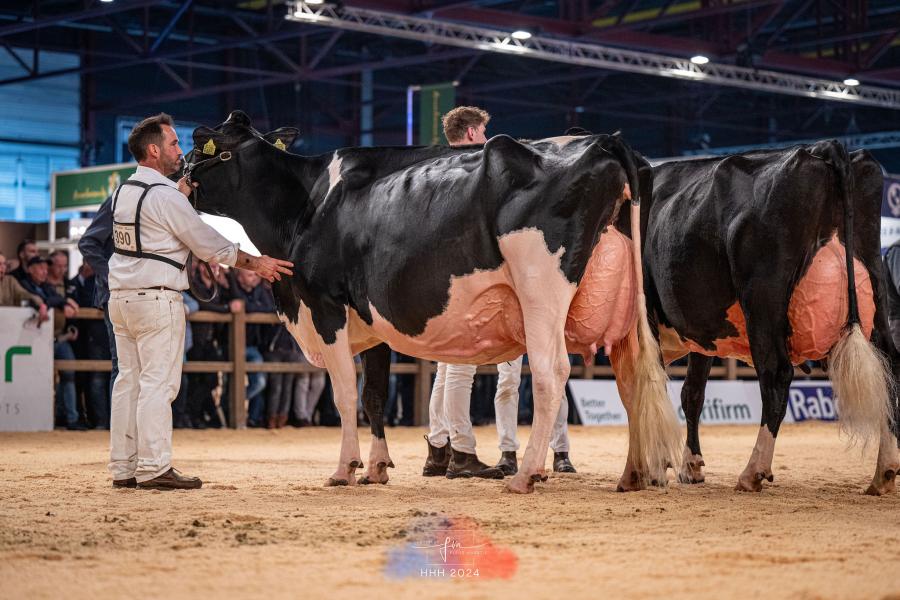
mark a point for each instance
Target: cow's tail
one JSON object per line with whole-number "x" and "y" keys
{"x": 861, "y": 374}
{"x": 655, "y": 441}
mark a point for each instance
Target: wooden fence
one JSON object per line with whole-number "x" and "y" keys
{"x": 421, "y": 370}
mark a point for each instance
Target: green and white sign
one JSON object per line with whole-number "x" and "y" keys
{"x": 26, "y": 381}
{"x": 434, "y": 102}
{"x": 89, "y": 186}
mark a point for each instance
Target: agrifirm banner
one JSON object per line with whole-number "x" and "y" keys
{"x": 890, "y": 212}
{"x": 26, "y": 386}
{"x": 89, "y": 186}
{"x": 727, "y": 402}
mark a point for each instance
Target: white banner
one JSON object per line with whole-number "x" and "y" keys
{"x": 26, "y": 386}
{"x": 726, "y": 403}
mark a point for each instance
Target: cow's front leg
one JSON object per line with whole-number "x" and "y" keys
{"x": 887, "y": 467}
{"x": 376, "y": 372}
{"x": 339, "y": 362}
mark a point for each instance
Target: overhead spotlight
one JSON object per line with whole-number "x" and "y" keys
{"x": 699, "y": 59}
{"x": 521, "y": 34}
{"x": 314, "y": 2}
{"x": 851, "y": 82}
{"x": 106, "y": 1}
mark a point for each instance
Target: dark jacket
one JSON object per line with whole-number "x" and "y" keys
{"x": 257, "y": 300}
{"x": 96, "y": 246}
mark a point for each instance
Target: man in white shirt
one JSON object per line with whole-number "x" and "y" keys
{"x": 154, "y": 230}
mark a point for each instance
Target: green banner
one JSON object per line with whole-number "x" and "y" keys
{"x": 434, "y": 102}
{"x": 90, "y": 186}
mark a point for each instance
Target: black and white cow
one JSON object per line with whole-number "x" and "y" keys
{"x": 464, "y": 255}
{"x": 744, "y": 256}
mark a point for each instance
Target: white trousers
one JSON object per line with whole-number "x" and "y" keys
{"x": 449, "y": 409}
{"x": 149, "y": 330}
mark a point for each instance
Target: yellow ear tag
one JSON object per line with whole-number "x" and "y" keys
{"x": 209, "y": 147}
{"x": 280, "y": 145}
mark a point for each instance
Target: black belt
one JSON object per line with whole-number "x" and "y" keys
{"x": 160, "y": 288}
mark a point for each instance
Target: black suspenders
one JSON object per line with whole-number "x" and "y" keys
{"x": 127, "y": 236}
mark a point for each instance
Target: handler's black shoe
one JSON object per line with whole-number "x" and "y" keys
{"x": 562, "y": 464}
{"x": 438, "y": 459}
{"x": 131, "y": 482}
{"x": 171, "y": 480}
{"x": 468, "y": 465}
{"x": 508, "y": 463}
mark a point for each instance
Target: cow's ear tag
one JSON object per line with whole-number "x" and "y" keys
{"x": 280, "y": 145}
{"x": 209, "y": 147}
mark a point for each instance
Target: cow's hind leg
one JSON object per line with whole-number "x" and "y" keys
{"x": 376, "y": 372}
{"x": 545, "y": 295}
{"x": 692, "y": 396}
{"x": 767, "y": 330}
{"x": 888, "y": 462}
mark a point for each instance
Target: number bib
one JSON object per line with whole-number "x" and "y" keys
{"x": 124, "y": 237}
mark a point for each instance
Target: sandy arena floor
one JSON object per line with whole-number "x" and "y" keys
{"x": 264, "y": 526}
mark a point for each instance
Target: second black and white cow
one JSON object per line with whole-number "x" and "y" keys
{"x": 464, "y": 255}
{"x": 745, "y": 256}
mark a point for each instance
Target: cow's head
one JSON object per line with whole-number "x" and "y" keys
{"x": 233, "y": 162}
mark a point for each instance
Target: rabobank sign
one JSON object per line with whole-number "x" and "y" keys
{"x": 811, "y": 400}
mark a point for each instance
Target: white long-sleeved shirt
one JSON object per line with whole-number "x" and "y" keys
{"x": 169, "y": 227}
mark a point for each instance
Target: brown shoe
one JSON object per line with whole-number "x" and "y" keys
{"x": 468, "y": 465}
{"x": 171, "y": 480}
{"x": 438, "y": 459}
{"x": 131, "y": 482}
{"x": 508, "y": 463}
{"x": 282, "y": 421}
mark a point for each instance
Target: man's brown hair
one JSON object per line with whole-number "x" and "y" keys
{"x": 458, "y": 120}
{"x": 149, "y": 131}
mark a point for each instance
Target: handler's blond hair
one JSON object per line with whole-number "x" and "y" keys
{"x": 458, "y": 120}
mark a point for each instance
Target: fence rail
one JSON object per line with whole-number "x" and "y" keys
{"x": 422, "y": 370}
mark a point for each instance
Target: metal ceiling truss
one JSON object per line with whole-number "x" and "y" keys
{"x": 587, "y": 54}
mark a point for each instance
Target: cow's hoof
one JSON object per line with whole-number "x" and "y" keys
{"x": 539, "y": 477}
{"x": 335, "y": 482}
{"x": 687, "y": 478}
{"x": 630, "y": 482}
{"x": 692, "y": 469}
{"x": 378, "y": 474}
{"x": 886, "y": 485}
{"x": 520, "y": 484}
{"x": 753, "y": 482}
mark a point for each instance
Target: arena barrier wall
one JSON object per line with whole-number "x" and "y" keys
{"x": 422, "y": 370}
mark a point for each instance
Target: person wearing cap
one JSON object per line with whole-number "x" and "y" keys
{"x": 35, "y": 282}
{"x": 154, "y": 230}
{"x": 13, "y": 294}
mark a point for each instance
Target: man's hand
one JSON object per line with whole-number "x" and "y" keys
{"x": 69, "y": 311}
{"x": 186, "y": 188}
{"x": 236, "y": 306}
{"x": 270, "y": 269}
{"x": 43, "y": 313}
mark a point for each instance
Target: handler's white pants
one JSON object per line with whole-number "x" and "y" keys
{"x": 449, "y": 408}
{"x": 506, "y": 409}
{"x": 149, "y": 329}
